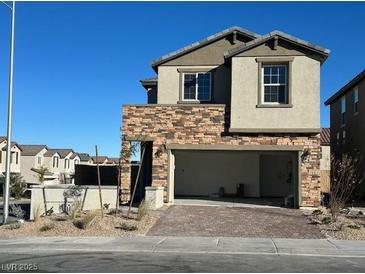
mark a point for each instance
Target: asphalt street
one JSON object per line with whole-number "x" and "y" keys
{"x": 173, "y": 254}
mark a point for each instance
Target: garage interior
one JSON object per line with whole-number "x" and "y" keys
{"x": 252, "y": 177}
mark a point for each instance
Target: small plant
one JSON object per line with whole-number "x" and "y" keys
{"x": 142, "y": 210}
{"x": 75, "y": 209}
{"x": 14, "y": 226}
{"x": 47, "y": 227}
{"x": 17, "y": 211}
{"x": 127, "y": 227}
{"x": 317, "y": 212}
{"x": 49, "y": 212}
{"x": 106, "y": 206}
{"x": 354, "y": 226}
{"x": 86, "y": 221}
{"x": 326, "y": 220}
{"x": 37, "y": 212}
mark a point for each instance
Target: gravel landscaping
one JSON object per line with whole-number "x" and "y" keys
{"x": 63, "y": 225}
{"x": 350, "y": 225}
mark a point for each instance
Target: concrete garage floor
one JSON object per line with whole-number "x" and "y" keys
{"x": 229, "y": 202}
{"x": 222, "y": 221}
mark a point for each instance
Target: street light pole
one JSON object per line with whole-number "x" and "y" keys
{"x": 10, "y": 118}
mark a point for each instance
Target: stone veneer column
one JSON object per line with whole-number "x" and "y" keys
{"x": 126, "y": 175}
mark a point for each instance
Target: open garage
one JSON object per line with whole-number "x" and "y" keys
{"x": 234, "y": 174}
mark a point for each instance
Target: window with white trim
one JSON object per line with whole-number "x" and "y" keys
{"x": 356, "y": 100}
{"x": 343, "y": 110}
{"x": 39, "y": 160}
{"x": 275, "y": 84}
{"x": 55, "y": 160}
{"x": 197, "y": 86}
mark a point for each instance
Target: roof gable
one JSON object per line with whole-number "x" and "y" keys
{"x": 346, "y": 88}
{"x": 205, "y": 42}
{"x": 32, "y": 150}
{"x": 321, "y": 52}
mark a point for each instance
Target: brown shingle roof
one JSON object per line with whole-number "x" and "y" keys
{"x": 63, "y": 152}
{"x": 325, "y": 136}
{"x": 31, "y": 150}
{"x": 101, "y": 159}
{"x": 83, "y": 156}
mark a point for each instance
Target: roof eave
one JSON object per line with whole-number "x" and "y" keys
{"x": 201, "y": 43}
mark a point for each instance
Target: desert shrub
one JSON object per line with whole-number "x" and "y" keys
{"x": 142, "y": 210}
{"x": 344, "y": 180}
{"x": 14, "y": 226}
{"x": 75, "y": 209}
{"x": 17, "y": 211}
{"x": 47, "y": 227}
{"x": 86, "y": 221}
{"x": 326, "y": 220}
{"x": 41, "y": 174}
{"x": 354, "y": 226}
{"x": 37, "y": 212}
{"x": 17, "y": 185}
{"x": 317, "y": 212}
{"x": 127, "y": 227}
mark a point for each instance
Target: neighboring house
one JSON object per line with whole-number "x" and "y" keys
{"x": 325, "y": 164}
{"x": 32, "y": 158}
{"x": 347, "y": 112}
{"x": 59, "y": 163}
{"x": 85, "y": 158}
{"x": 235, "y": 113}
{"x": 101, "y": 160}
{"x": 75, "y": 160}
{"x": 113, "y": 161}
{"x": 16, "y": 152}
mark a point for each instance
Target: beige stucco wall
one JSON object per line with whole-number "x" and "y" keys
{"x": 53, "y": 195}
{"x": 14, "y": 167}
{"x": 28, "y": 162}
{"x": 305, "y": 97}
{"x": 168, "y": 84}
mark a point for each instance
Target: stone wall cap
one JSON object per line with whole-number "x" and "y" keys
{"x": 173, "y": 105}
{"x": 154, "y": 188}
{"x": 67, "y": 186}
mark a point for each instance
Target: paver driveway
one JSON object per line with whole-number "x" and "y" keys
{"x": 234, "y": 222}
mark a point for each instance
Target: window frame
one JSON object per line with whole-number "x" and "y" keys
{"x": 55, "y": 161}
{"x": 263, "y": 85}
{"x": 343, "y": 103}
{"x": 356, "y": 100}
{"x": 196, "y": 86}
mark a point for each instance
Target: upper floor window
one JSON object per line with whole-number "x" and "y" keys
{"x": 39, "y": 160}
{"x": 356, "y": 100}
{"x": 55, "y": 161}
{"x": 14, "y": 157}
{"x": 275, "y": 84}
{"x": 197, "y": 86}
{"x": 76, "y": 162}
{"x": 343, "y": 110}
{"x": 67, "y": 163}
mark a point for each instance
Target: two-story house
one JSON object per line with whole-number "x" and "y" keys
{"x": 16, "y": 152}
{"x": 234, "y": 114}
{"x": 32, "y": 158}
{"x": 347, "y": 112}
{"x": 85, "y": 159}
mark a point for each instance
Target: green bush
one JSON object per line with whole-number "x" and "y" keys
{"x": 14, "y": 226}
{"x": 17, "y": 185}
{"x": 127, "y": 227}
{"x": 326, "y": 220}
{"x": 47, "y": 227}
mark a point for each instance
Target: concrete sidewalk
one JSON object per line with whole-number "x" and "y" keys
{"x": 187, "y": 245}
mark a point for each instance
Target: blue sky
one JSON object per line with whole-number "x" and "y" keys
{"x": 76, "y": 63}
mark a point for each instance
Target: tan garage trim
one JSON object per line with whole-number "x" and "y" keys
{"x": 235, "y": 147}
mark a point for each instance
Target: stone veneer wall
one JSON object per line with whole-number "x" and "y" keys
{"x": 206, "y": 124}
